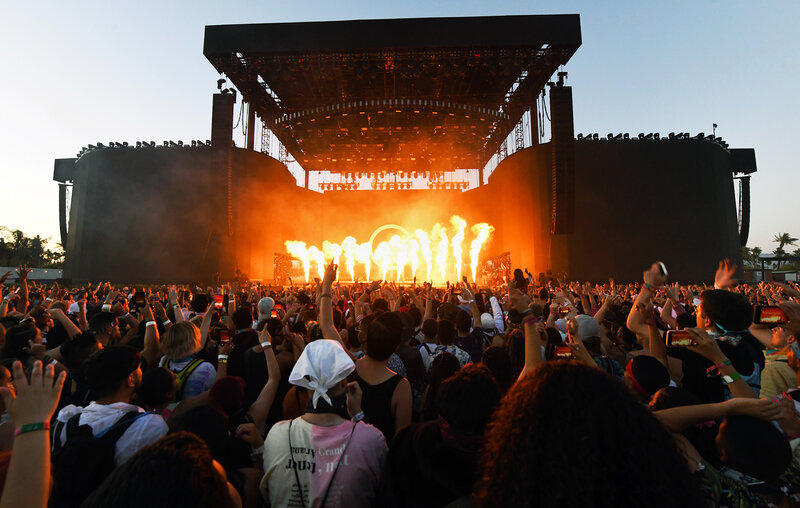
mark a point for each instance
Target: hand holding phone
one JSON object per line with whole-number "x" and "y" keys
{"x": 769, "y": 315}
{"x": 679, "y": 338}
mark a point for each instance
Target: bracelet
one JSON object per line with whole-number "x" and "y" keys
{"x": 649, "y": 287}
{"x": 530, "y": 319}
{"x": 167, "y": 322}
{"x": 31, "y": 427}
{"x": 222, "y": 358}
{"x": 325, "y": 295}
{"x": 106, "y": 307}
{"x": 730, "y": 378}
{"x": 150, "y": 323}
{"x": 710, "y": 371}
{"x": 266, "y": 344}
{"x": 358, "y": 417}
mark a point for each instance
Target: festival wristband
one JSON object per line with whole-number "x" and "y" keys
{"x": 167, "y": 322}
{"x": 266, "y": 344}
{"x": 711, "y": 370}
{"x": 358, "y": 417}
{"x": 31, "y": 427}
{"x": 650, "y": 287}
{"x": 150, "y": 323}
{"x": 106, "y": 307}
{"x": 730, "y": 378}
{"x": 222, "y": 358}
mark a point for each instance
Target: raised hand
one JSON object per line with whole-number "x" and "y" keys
{"x": 34, "y": 401}
{"x": 723, "y": 279}
{"x": 653, "y": 276}
{"x": 23, "y": 271}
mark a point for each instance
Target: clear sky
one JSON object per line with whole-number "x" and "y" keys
{"x": 81, "y": 72}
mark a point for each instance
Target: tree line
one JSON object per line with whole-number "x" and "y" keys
{"x": 16, "y": 248}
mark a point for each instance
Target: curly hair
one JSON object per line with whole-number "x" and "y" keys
{"x": 571, "y": 435}
{"x": 177, "y": 470}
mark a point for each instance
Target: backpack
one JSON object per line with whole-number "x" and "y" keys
{"x": 182, "y": 375}
{"x": 84, "y": 460}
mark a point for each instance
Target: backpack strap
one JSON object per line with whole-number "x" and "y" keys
{"x": 183, "y": 375}
{"x": 114, "y": 432}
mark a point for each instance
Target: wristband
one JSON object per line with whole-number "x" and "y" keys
{"x": 176, "y": 306}
{"x": 325, "y": 295}
{"x": 358, "y": 417}
{"x": 266, "y": 344}
{"x": 125, "y": 315}
{"x": 31, "y": 427}
{"x": 649, "y": 287}
{"x": 730, "y": 378}
{"x": 106, "y": 307}
{"x": 710, "y": 371}
{"x": 256, "y": 451}
{"x": 48, "y": 299}
{"x": 150, "y": 323}
{"x": 222, "y": 358}
{"x": 167, "y": 322}
{"x": 530, "y": 319}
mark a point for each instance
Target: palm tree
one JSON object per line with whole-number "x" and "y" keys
{"x": 755, "y": 252}
{"x": 782, "y": 239}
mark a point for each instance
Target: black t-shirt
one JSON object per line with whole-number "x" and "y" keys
{"x": 241, "y": 342}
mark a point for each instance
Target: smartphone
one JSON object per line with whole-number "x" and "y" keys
{"x": 769, "y": 315}
{"x": 224, "y": 336}
{"x": 311, "y": 306}
{"x": 563, "y": 352}
{"x": 273, "y": 313}
{"x": 139, "y": 300}
{"x": 219, "y": 301}
{"x": 563, "y": 311}
{"x": 456, "y": 291}
{"x": 679, "y": 338}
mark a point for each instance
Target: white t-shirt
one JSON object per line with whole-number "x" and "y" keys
{"x": 144, "y": 431}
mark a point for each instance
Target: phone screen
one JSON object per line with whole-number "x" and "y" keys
{"x": 218, "y": 302}
{"x": 679, "y": 338}
{"x": 770, "y": 315}
{"x": 563, "y": 352}
{"x": 224, "y": 336}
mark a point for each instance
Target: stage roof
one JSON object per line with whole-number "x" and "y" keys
{"x": 400, "y": 94}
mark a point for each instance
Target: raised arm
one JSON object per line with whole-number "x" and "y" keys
{"x": 22, "y": 272}
{"x": 678, "y": 419}
{"x": 473, "y": 306}
{"x": 326, "y": 306}
{"x": 176, "y": 307}
{"x": 58, "y": 315}
{"x": 151, "y": 338}
{"x": 707, "y": 346}
{"x": 205, "y": 326}
{"x": 260, "y": 408}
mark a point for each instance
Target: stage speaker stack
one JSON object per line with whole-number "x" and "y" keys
{"x": 563, "y": 160}
{"x": 222, "y": 120}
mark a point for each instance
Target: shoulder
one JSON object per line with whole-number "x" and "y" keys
{"x": 369, "y": 435}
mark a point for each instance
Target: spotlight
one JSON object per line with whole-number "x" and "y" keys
{"x": 671, "y": 135}
{"x": 641, "y": 135}
{"x": 180, "y": 143}
{"x": 618, "y": 136}
{"x": 580, "y": 136}
{"x": 125, "y": 144}
{"x": 626, "y": 136}
{"x": 701, "y": 136}
{"x": 610, "y": 135}
{"x": 100, "y": 145}
{"x": 138, "y": 144}
{"x": 194, "y": 143}
{"x": 595, "y": 136}
{"x": 656, "y": 136}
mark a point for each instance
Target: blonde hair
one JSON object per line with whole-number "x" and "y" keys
{"x": 181, "y": 340}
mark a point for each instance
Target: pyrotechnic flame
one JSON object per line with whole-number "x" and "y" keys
{"x": 425, "y": 246}
{"x": 349, "y": 247}
{"x": 413, "y": 256}
{"x": 318, "y": 257}
{"x": 399, "y": 250}
{"x": 298, "y": 250}
{"x": 363, "y": 254}
{"x": 459, "y": 224}
{"x": 481, "y": 232}
{"x": 439, "y": 233}
{"x": 383, "y": 258}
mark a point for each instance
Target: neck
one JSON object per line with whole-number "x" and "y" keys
{"x": 371, "y": 362}
{"x": 118, "y": 396}
{"x": 323, "y": 419}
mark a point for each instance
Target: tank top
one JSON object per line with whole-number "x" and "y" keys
{"x": 376, "y": 402}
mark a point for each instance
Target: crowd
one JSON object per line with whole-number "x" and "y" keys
{"x": 563, "y": 394}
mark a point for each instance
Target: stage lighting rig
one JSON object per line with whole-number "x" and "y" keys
{"x": 701, "y": 136}
{"x": 656, "y": 136}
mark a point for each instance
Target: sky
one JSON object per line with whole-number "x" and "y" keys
{"x": 88, "y": 71}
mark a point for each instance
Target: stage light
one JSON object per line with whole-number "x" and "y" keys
{"x": 641, "y": 135}
{"x": 671, "y": 135}
{"x": 100, "y": 145}
{"x": 701, "y": 135}
{"x": 610, "y": 135}
{"x": 580, "y": 136}
{"x": 626, "y": 136}
{"x": 618, "y": 136}
{"x": 656, "y": 136}
{"x": 595, "y": 136}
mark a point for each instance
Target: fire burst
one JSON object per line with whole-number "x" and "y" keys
{"x": 401, "y": 257}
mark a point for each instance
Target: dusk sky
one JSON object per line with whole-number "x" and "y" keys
{"x": 81, "y": 72}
